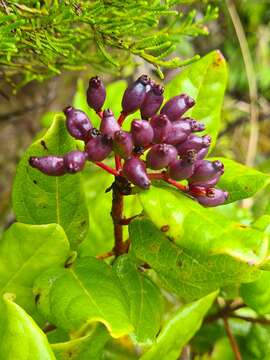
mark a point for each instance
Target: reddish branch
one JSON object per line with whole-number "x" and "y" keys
{"x": 121, "y": 119}
{"x": 232, "y": 340}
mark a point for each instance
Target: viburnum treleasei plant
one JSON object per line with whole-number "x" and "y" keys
{"x": 77, "y": 285}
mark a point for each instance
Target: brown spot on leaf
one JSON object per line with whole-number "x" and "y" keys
{"x": 35, "y": 181}
{"x": 219, "y": 58}
{"x": 44, "y": 145}
{"x": 165, "y": 228}
{"x": 37, "y": 297}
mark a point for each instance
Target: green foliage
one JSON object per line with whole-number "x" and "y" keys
{"x": 41, "y": 39}
{"x": 58, "y": 199}
{"x": 16, "y": 325}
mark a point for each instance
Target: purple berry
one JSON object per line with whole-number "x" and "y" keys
{"x": 74, "y": 161}
{"x": 177, "y": 106}
{"x": 96, "y": 93}
{"x": 142, "y": 132}
{"x": 49, "y": 165}
{"x": 206, "y": 170}
{"x": 194, "y": 142}
{"x": 160, "y": 156}
{"x": 134, "y": 95}
{"x": 180, "y": 130}
{"x": 184, "y": 168}
{"x": 123, "y": 144}
{"x": 98, "y": 148}
{"x": 202, "y": 153}
{"x": 214, "y": 197}
{"x": 78, "y": 124}
{"x": 152, "y": 101}
{"x": 134, "y": 170}
{"x": 109, "y": 125}
{"x": 161, "y": 126}
{"x": 195, "y": 126}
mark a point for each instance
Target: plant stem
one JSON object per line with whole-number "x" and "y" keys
{"x": 118, "y": 165}
{"x": 225, "y": 311}
{"x": 263, "y": 321}
{"x": 107, "y": 168}
{"x": 121, "y": 119}
{"x": 100, "y": 114}
{"x": 105, "y": 256}
{"x": 117, "y": 214}
{"x": 164, "y": 177}
{"x": 232, "y": 340}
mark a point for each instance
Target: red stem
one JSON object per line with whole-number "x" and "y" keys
{"x": 107, "y": 168}
{"x": 100, "y": 114}
{"x": 121, "y": 118}
{"x": 164, "y": 177}
{"x": 118, "y": 165}
{"x": 117, "y": 214}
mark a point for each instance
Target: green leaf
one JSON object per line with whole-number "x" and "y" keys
{"x": 241, "y": 181}
{"x": 189, "y": 274}
{"x": 20, "y": 337}
{"x": 42, "y": 199}
{"x": 205, "y": 80}
{"x": 204, "y": 230}
{"x": 256, "y": 294}
{"x": 146, "y": 303}
{"x": 114, "y": 96}
{"x": 179, "y": 329}
{"x": 25, "y": 252}
{"x": 257, "y": 345}
{"x": 94, "y": 294}
{"x": 88, "y": 347}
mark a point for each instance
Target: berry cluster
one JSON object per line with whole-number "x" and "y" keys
{"x": 168, "y": 138}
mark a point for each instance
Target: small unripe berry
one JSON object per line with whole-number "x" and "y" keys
{"x": 98, "y": 148}
{"x": 160, "y": 156}
{"x": 109, "y": 125}
{"x": 134, "y": 170}
{"x": 162, "y": 127}
{"x": 74, "y": 161}
{"x": 96, "y": 93}
{"x": 177, "y": 106}
{"x": 194, "y": 142}
{"x": 206, "y": 170}
{"x": 180, "y": 130}
{"x": 214, "y": 197}
{"x": 49, "y": 165}
{"x": 123, "y": 144}
{"x": 78, "y": 123}
{"x": 152, "y": 101}
{"x": 134, "y": 95}
{"x": 142, "y": 132}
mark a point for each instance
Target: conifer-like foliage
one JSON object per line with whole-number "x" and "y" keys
{"x": 40, "y": 39}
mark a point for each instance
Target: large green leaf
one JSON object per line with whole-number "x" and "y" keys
{"x": 25, "y": 252}
{"x": 146, "y": 303}
{"x": 205, "y": 80}
{"x": 86, "y": 292}
{"x": 42, "y": 199}
{"x": 20, "y": 337}
{"x": 88, "y": 347}
{"x": 189, "y": 274}
{"x": 179, "y": 329}
{"x": 241, "y": 181}
{"x": 204, "y": 230}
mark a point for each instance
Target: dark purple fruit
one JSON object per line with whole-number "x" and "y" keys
{"x": 74, "y": 161}
{"x": 142, "y": 132}
{"x": 180, "y": 170}
{"x": 98, "y": 148}
{"x": 152, "y": 101}
{"x": 134, "y": 170}
{"x": 49, "y": 165}
{"x": 134, "y": 95}
{"x": 194, "y": 142}
{"x": 78, "y": 123}
{"x": 161, "y": 126}
{"x": 195, "y": 126}
{"x": 160, "y": 156}
{"x": 109, "y": 125}
{"x": 180, "y": 130}
{"x": 96, "y": 93}
{"x": 201, "y": 154}
{"x": 123, "y": 144}
{"x": 206, "y": 170}
{"x": 213, "y": 197}
{"x": 177, "y": 106}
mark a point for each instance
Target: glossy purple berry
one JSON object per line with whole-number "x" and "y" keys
{"x": 134, "y": 170}
{"x": 134, "y": 95}
{"x": 49, "y": 165}
{"x": 193, "y": 142}
{"x": 177, "y": 106}
{"x": 152, "y": 101}
{"x": 206, "y": 170}
{"x": 98, "y": 148}
{"x": 180, "y": 130}
{"x": 142, "y": 132}
{"x": 201, "y": 154}
{"x": 78, "y": 123}
{"x": 74, "y": 161}
{"x": 195, "y": 126}
{"x": 184, "y": 168}
{"x": 109, "y": 125}
{"x": 160, "y": 156}
{"x": 123, "y": 144}
{"x": 162, "y": 127}
{"x": 96, "y": 93}
{"x": 213, "y": 197}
